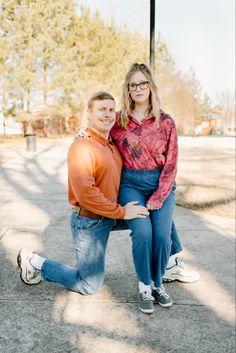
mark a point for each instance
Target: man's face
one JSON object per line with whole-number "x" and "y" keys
{"x": 102, "y": 116}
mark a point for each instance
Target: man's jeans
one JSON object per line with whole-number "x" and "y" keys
{"x": 90, "y": 238}
{"x": 151, "y": 236}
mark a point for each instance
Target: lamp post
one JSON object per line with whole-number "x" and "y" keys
{"x": 152, "y": 35}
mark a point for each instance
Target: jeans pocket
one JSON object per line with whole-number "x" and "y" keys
{"x": 82, "y": 222}
{"x": 88, "y": 223}
{"x": 73, "y": 220}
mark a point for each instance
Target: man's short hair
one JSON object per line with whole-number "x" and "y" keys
{"x": 99, "y": 96}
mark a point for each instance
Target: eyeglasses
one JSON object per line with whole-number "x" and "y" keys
{"x": 142, "y": 85}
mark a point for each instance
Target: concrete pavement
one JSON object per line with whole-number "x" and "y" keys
{"x": 47, "y": 318}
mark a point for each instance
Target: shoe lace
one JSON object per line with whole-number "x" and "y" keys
{"x": 161, "y": 291}
{"x": 146, "y": 295}
{"x": 35, "y": 273}
{"x": 179, "y": 263}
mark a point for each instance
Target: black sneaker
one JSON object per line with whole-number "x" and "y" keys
{"x": 145, "y": 302}
{"x": 161, "y": 297}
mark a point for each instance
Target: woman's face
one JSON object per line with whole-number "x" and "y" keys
{"x": 139, "y": 88}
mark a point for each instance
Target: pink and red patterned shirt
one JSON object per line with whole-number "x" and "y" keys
{"x": 144, "y": 146}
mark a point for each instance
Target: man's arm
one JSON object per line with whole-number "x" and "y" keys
{"x": 81, "y": 172}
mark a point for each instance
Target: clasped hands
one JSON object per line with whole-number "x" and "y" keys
{"x": 133, "y": 210}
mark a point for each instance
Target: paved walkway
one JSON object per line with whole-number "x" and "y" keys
{"x": 48, "y": 318}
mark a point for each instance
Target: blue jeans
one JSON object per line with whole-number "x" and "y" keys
{"x": 90, "y": 238}
{"x": 176, "y": 245}
{"x": 151, "y": 236}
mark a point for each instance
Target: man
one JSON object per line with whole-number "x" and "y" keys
{"x": 94, "y": 169}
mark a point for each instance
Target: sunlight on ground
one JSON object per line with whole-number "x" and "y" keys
{"x": 13, "y": 240}
{"x": 27, "y": 178}
{"x": 89, "y": 343}
{"x": 89, "y": 312}
{"x": 207, "y": 290}
{"x": 24, "y": 212}
{"x": 214, "y": 223}
{"x": 211, "y": 294}
{"x": 102, "y": 316}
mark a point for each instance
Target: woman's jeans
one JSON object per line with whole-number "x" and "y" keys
{"x": 176, "y": 245}
{"x": 151, "y": 236}
{"x": 90, "y": 238}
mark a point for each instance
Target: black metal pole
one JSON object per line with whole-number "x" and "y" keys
{"x": 152, "y": 35}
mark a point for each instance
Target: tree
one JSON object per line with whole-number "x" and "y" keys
{"x": 54, "y": 54}
{"x": 180, "y": 92}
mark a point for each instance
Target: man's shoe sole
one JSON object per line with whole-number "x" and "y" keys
{"x": 21, "y": 270}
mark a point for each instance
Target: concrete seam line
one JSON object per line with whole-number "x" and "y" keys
{"x": 3, "y": 232}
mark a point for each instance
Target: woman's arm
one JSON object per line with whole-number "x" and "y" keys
{"x": 168, "y": 174}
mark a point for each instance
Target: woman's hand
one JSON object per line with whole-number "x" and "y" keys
{"x": 81, "y": 132}
{"x": 151, "y": 207}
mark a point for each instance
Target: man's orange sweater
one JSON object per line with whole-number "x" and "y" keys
{"x": 94, "y": 170}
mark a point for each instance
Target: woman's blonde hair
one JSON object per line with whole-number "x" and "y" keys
{"x": 127, "y": 104}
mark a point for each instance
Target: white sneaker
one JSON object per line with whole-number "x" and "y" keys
{"x": 29, "y": 274}
{"x": 179, "y": 273}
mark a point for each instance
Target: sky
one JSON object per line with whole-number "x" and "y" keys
{"x": 199, "y": 34}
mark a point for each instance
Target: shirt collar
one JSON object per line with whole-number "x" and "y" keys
{"x": 98, "y": 137}
{"x": 136, "y": 121}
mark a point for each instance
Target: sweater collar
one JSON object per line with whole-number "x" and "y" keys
{"x": 98, "y": 137}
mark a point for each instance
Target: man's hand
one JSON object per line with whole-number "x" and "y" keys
{"x": 132, "y": 210}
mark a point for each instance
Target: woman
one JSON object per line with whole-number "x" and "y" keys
{"x": 147, "y": 140}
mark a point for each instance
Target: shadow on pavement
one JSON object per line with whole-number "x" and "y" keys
{"x": 47, "y": 318}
